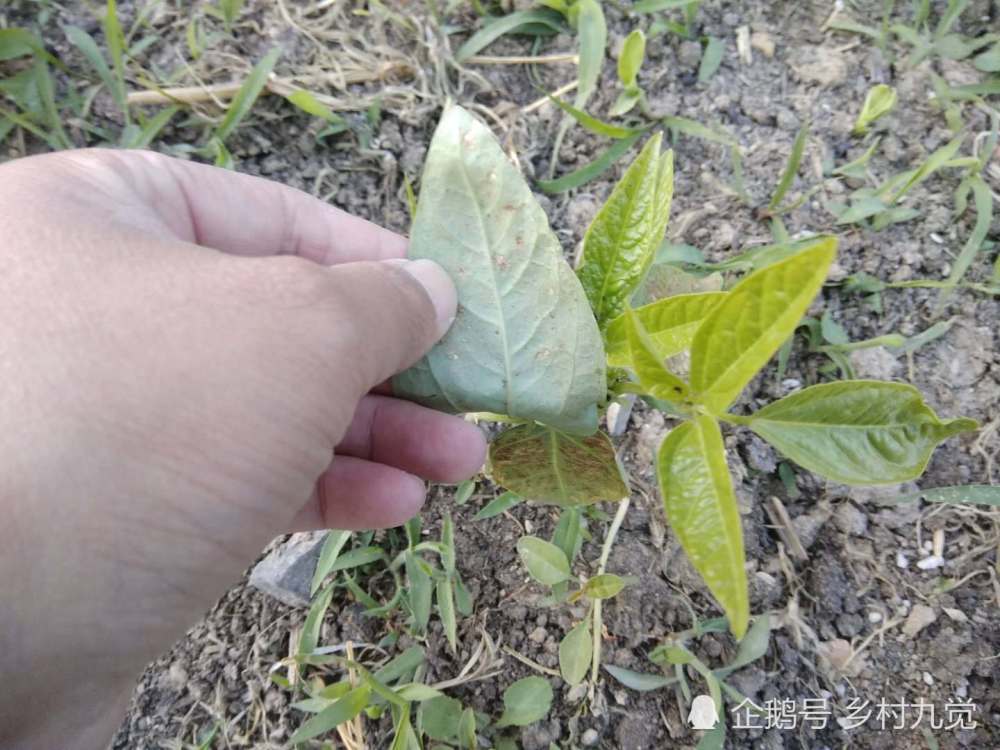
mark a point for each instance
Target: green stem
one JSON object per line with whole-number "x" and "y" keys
{"x": 609, "y": 540}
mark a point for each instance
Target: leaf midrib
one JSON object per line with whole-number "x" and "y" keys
{"x": 495, "y": 286}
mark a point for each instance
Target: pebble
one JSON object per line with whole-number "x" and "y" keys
{"x": 763, "y": 43}
{"x": 689, "y": 54}
{"x": 919, "y": 618}
{"x": 538, "y": 635}
{"x": 931, "y": 562}
{"x": 589, "y": 738}
{"x": 850, "y": 519}
{"x": 902, "y": 561}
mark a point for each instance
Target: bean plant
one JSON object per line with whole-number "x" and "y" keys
{"x": 546, "y": 351}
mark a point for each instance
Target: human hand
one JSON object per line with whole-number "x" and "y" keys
{"x": 182, "y": 352}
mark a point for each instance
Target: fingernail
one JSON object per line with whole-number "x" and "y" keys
{"x": 439, "y": 288}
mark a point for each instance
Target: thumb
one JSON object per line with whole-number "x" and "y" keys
{"x": 387, "y": 315}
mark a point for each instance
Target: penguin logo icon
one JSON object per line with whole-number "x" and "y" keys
{"x": 703, "y": 714}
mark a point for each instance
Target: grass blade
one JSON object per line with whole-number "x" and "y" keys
{"x": 593, "y": 124}
{"x": 791, "y": 168}
{"x": 509, "y": 24}
{"x": 711, "y": 58}
{"x": 46, "y": 92}
{"x": 497, "y": 506}
{"x": 332, "y": 545}
{"x": 152, "y": 128}
{"x": 983, "y": 200}
{"x": 652, "y": 6}
{"x": 114, "y": 38}
{"x": 977, "y": 494}
{"x": 89, "y": 49}
{"x": 590, "y": 171}
{"x": 247, "y": 95}
{"x": 697, "y": 130}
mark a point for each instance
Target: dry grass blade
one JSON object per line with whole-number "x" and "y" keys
{"x": 483, "y": 664}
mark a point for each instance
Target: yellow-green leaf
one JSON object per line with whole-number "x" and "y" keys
{"x": 646, "y": 362}
{"x": 701, "y": 508}
{"x": 857, "y": 431}
{"x": 544, "y": 465}
{"x": 743, "y": 332}
{"x": 603, "y": 586}
{"x": 670, "y": 322}
{"x": 576, "y": 650}
{"x": 879, "y": 102}
{"x": 631, "y": 57}
{"x": 621, "y": 241}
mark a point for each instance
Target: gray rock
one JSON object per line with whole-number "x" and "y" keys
{"x": 286, "y": 573}
{"x": 850, "y": 519}
{"x": 876, "y": 363}
{"x": 689, "y": 54}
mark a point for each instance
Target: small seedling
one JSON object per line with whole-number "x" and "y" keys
{"x": 629, "y": 62}
{"x": 879, "y": 102}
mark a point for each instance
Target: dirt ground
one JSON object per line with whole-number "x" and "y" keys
{"x": 847, "y": 615}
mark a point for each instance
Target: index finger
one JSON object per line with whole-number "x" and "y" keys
{"x": 235, "y": 213}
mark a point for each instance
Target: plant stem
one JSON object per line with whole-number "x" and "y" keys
{"x": 609, "y": 540}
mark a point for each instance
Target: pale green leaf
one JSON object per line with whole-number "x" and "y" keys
{"x": 631, "y": 57}
{"x": 651, "y": 6}
{"x": 575, "y": 653}
{"x": 983, "y": 201}
{"x": 512, "y": 23}
{"x": 976, "y": 494}
{"x": 644, "y": 360}
{"x": 446, "y": 608}
{"x": 603, "y": 586}
{"x": 752, "y": 647}
{"x": 308, "y": 103}
{"x": 640, "y": 681}
{"x": 332, "y": 545}
{"x": 589, "y": 171}
{"x": 701, "y": 508}
{"x": 594, "y": 125}
{"x": 592, "y": 33}
{"x": 695, "y": 129}
{"x": 625, "y": 102}
{"x": 791, "y": 168}
{"x": 420, "y": 591}
{"x": 621, "y": 241}
{"x": 417, "y": 692}
{"x": 464, "y": 491}
{"x": 670, "y": 322}
{"x": 526, "y": 701}
{"x": 545, "y": 562}
{"x": 467, "y": 730}
{"x": 711, "y": 58}
{"x": 314, "y": 622}
{"x": 343, "y": 710}
{"x": 402, "y": 666}
{"x": 934, "y": 162}
{"x": 544, "y": 465}
{"x": 878, "y": 103}
{"x": 858, "y": 431}
{"x": 988, "y": 61}
{"x": 861, "y": 208}
{"x": 497, "y": 505}
{"x": 245, "y": 98}
{"x": 439, "y": 718}
{"x": 737, "y": 338}
{"x": 524, "y": 343}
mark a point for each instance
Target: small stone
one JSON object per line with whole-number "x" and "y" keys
{"x": 955, "y": 614}
{"x": 538, "y": 635}
{"x": 590, "y": 738}
{"x": 286, "y": 573}
{"x": 850, "y": 519}
{"x": 931, "y": 562}
{"x": 875, "y": 363}
{"x": 822, "y": 65}
{"x": 837, "y": 652}
{"x": 928, "y": 679}
{"x": 920, "y": 617}
{"x": 790, "y": 384}
{"x": 902, "y": 561}
{"x": 689, "y": 54}
{"x": 874, "y": 617}
{"x": 849, "y": 625}
{"x": 763, "y": 43}
{"x": 177, "y": 676}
